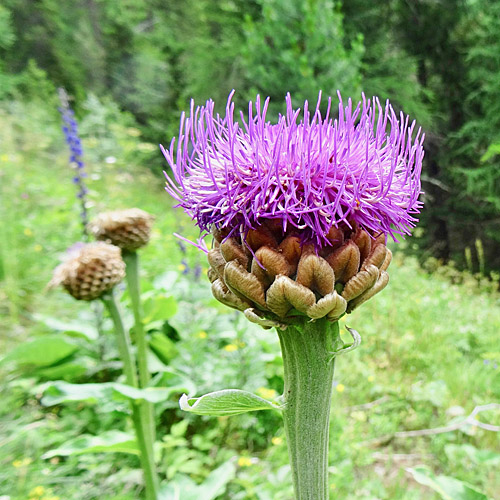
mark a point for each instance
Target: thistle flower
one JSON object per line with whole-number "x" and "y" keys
{"x": 128, "y": 229}
{"x": 70, "y": 129}
{"x": 322, "y": 172}
{"x": 90, "y": 270}
{"x": 300, "y": 210}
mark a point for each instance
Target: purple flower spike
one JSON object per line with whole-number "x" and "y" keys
{"x": 70, "y": 129}
{"x": 311, "y": 171}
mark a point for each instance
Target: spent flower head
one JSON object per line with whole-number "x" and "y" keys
{"x": 310, "y": 171}
{"x": 89, "y": 270}
{"x": 129, "y": 229}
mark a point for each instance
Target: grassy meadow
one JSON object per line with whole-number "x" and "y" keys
{"x": 429, "y": 355}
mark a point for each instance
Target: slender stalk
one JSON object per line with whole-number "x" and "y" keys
{"x": 125, "y": 350}
{"x": 307, "y": 395}
{"x": 132, "y": 267}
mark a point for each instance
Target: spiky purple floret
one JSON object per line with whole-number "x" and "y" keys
{"x": 362, "y": 166}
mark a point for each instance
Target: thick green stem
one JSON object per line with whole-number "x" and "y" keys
{"x": 132, "y": 266}
{"x": 125, "y": 350}
{"x": 308, "y": 365}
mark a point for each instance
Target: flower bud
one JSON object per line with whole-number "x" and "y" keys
{"x": 90, "y": 270}
{"x": 128, "y": 229}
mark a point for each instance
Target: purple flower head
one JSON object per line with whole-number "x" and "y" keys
{"x": 310, "y": 171}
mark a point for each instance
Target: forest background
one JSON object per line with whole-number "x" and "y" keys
{"x": 439, "y": 60}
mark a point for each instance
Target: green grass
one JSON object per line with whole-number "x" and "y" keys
{"x": 429, "y": 352}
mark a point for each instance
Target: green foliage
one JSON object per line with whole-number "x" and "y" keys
{"x": 477, "y": 166}
{"x": 43, "y": 351}
{"x": 59, "y": 392}
{"x": 429, "y": 353}
{"x": 106, "y": 442}
{"x": 299, "y": 47}
{"x": 388, "y": 70}
{"x": 210, "y": 489}
{"x": 447, "y": 487}
{"x": 227, "y": 402}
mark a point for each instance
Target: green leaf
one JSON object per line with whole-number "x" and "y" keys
{"x": 448, "y": 488}
{"x": 457, "y": 452}
{"x": 72, "y": 327}
{"x": 159, "y": 307}
{"x": 66, "y": 371}
{"x": 226, "y": 402}
{"x": 62, "y": 392}
{"x": 184, "y": 488}
{"x": 493, "y": 150}
{"x": 107, "y": 442}
{"x": 215, "y": 482}
{"x": 163, "y": 347}
{"x": 43, "y": 351}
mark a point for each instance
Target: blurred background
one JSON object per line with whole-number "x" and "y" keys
{"x": 438, "y": 60}
{"x": 130, "y": 68}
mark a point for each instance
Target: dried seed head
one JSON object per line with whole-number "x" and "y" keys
{"x": 281, "y": 280}
{"x": 90, "y": 270}
{"x": 128, "y": 229}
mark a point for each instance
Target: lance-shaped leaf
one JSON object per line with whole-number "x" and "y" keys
{"x": 107, "y": 442}
{"x": 61, "y": 392}
{"x": 226, "y": 402}
{"x": 448, "y": 488}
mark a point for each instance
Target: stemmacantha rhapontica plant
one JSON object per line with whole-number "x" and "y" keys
{"x": 300, "y": 212}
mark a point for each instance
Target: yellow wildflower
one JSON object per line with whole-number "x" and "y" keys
{"x": 231, "y": 348}
{"x": 370, "y": 378}
{"x": 202, "y": 335}
{"x": 340, "y": 388}
{"x": 4, "y": 157}
{"x": 27, "y": 231}
{"x": 38, "y": 247}
{"x": 37, "y": 491}
{"x": 22, "y": 463}
{"x": 276, "y": 440}
{"x": 244, "y": 462}
{"x": 266, "y": 393}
